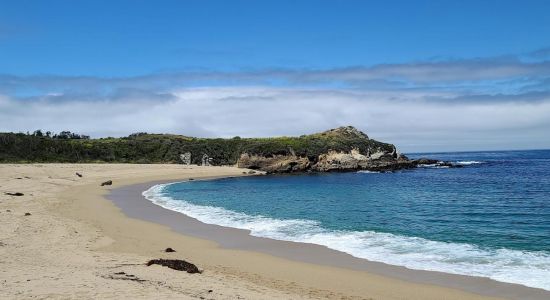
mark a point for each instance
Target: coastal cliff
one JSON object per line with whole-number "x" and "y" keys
{"x": 355, "y": 151}
{"x": 339, "y": 149}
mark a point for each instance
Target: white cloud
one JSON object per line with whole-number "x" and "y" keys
{"x": 408, "y": 119}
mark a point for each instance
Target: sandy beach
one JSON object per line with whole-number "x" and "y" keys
{"x": 68, "y": 237}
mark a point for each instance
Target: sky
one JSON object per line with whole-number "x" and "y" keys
{"x": 424, "y": 75}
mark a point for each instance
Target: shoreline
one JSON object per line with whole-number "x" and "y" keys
{"x": 75, "y": 243}
{"x": 134, "y": 205}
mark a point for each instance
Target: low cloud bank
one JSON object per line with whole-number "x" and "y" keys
{"x": 413, "y": 120}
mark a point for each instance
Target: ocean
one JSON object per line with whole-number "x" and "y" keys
{"x": 490, "y": 218}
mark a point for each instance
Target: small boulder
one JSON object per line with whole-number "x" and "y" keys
{"x": 169, "y": 250}
{"x": 251, "y": 172}
{"x": 108, "y": 182}
{"x": 27, "y": 214}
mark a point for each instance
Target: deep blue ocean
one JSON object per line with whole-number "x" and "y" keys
{"x": 490, "y": 218}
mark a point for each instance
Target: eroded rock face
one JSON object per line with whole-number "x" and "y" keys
{"x": 340, "y": 161}
{"x": 355, "y": 151}
{"x": 354, "y": 160}
{"x": 331, "y": 161}
{"x": 274, "y": 164}
{"x": 334, "y": 161}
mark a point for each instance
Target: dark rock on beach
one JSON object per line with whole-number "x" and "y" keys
{"x": 108, "y": 182}
{"x": 176, "y": 264}
{"x": 14, "y": 194}
{"x": 169, "y": 250}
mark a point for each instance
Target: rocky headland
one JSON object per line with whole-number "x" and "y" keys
{"x": 340, "y": 149}
{"x": 366, "y": 154}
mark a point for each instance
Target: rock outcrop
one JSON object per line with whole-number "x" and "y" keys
{"x": 362, "y": 153}
{"x": 274, "y": 163}
{"x": 334, "y": 160}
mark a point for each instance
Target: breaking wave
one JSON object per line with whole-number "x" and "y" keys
{"x": 530, "y": 268}
{"x": 468, "y": 162}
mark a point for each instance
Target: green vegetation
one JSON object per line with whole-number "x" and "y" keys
{"x": 166, "y": 148}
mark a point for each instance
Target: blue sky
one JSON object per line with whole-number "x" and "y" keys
{"x": 377, "y": 57}
{"x": 124, "y": 38}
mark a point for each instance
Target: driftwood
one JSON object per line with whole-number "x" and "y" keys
{"x": 176, "y": 264}
{"x": 78, "y": 174}
{"x": 124, "y": 276}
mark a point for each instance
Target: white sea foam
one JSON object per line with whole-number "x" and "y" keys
{"x": 433, "y": 166}
{"x": 368, "y": 172}
{"x": 468, "y": 162}
{"x": 523, "y": 267}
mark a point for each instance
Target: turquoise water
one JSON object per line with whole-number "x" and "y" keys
{"x": 490, "y": 218}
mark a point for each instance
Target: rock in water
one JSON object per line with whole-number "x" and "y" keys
{"x": 108, "y": 182}
{"x": 176, "y": 264}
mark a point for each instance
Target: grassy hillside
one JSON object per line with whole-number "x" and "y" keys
{"x": 166, "y": 148}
